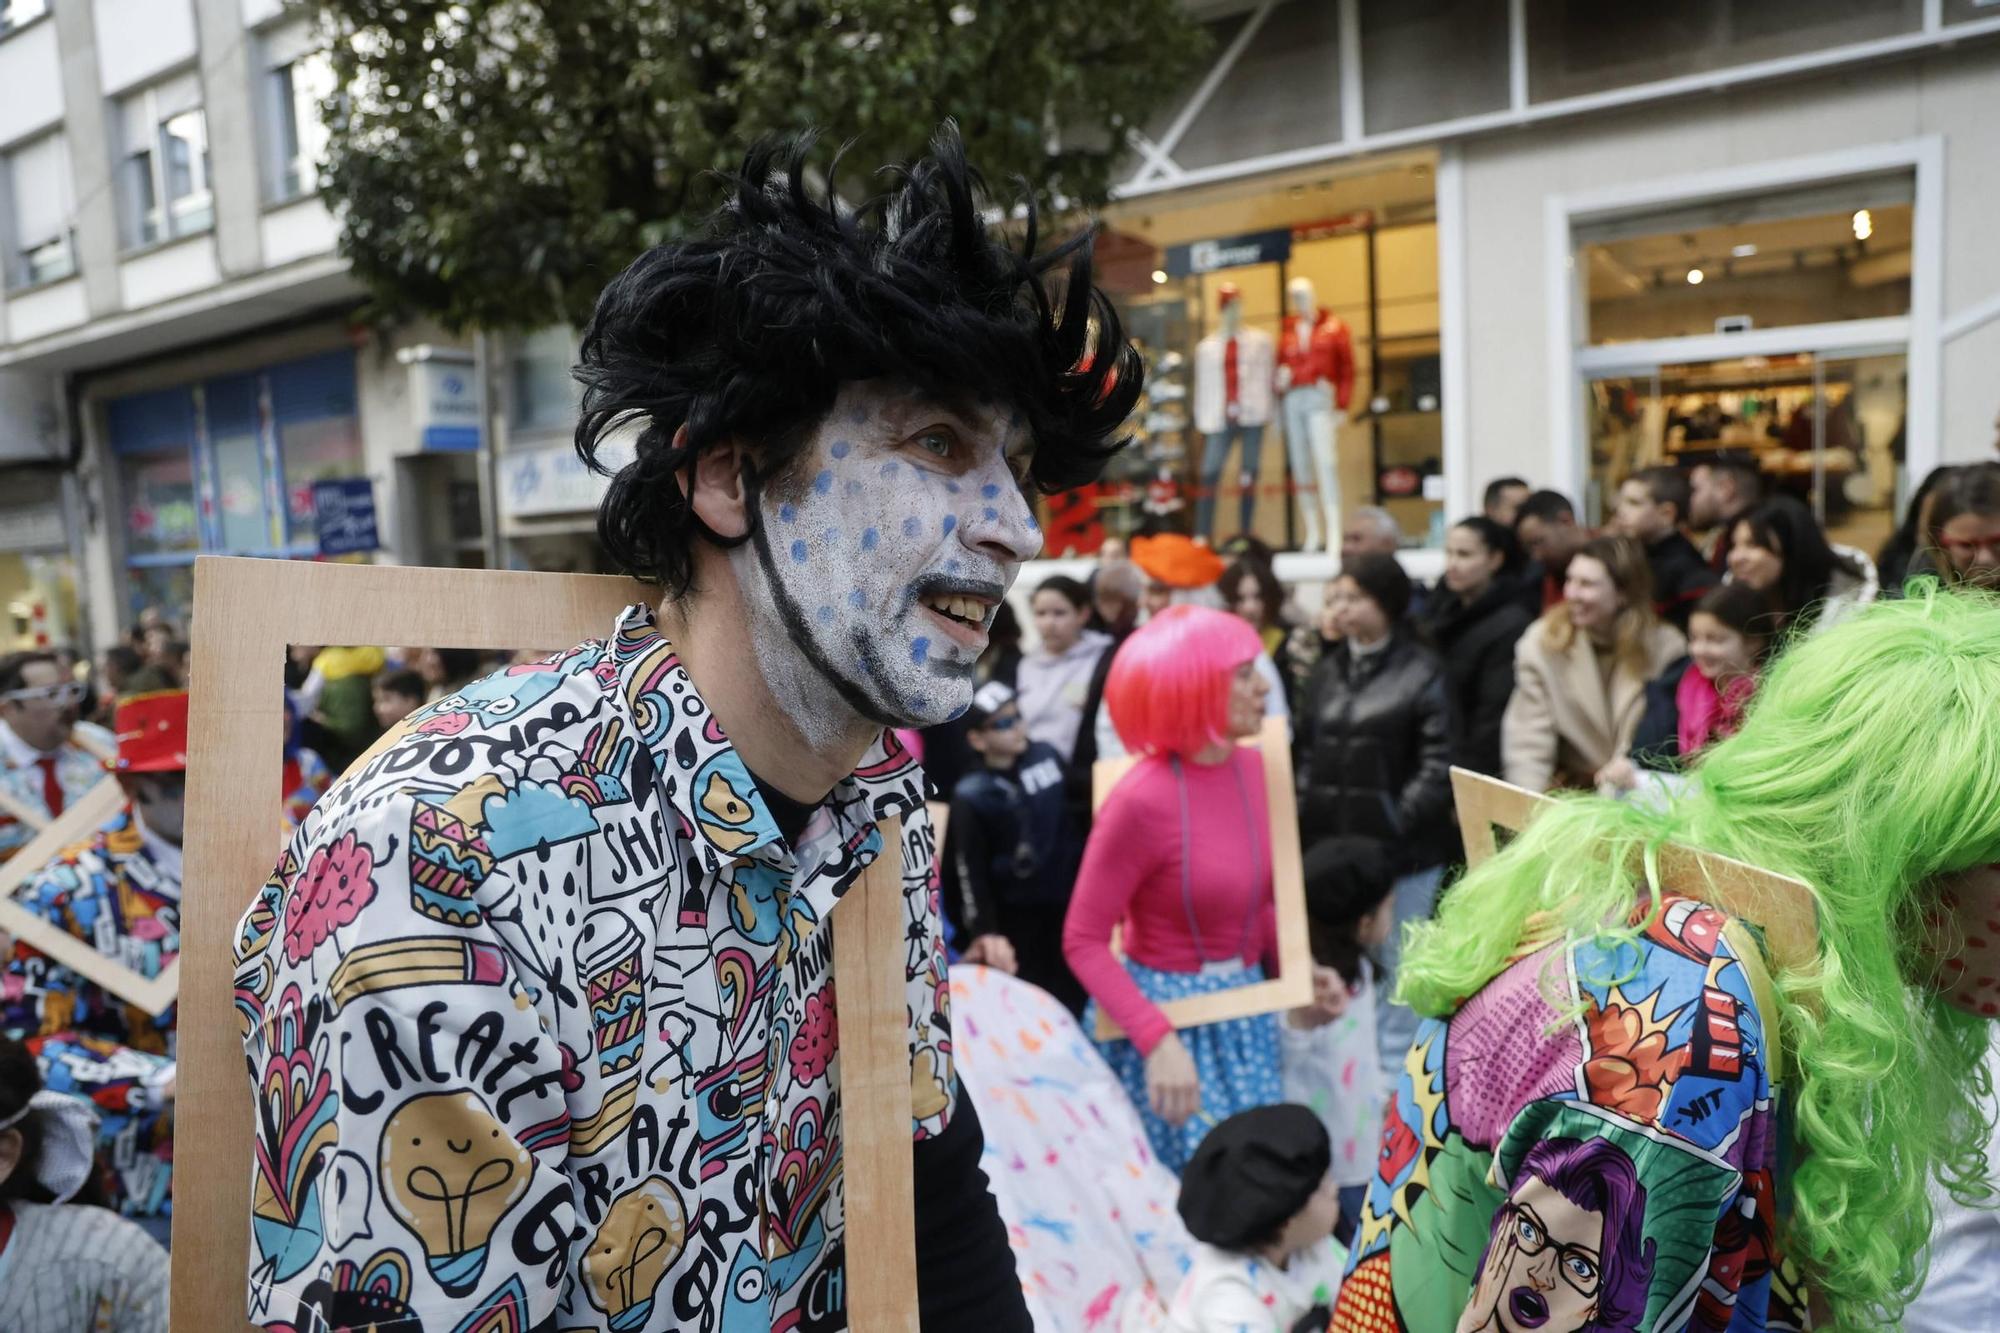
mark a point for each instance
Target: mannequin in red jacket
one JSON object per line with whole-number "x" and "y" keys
{"x": 1315, "y": 375}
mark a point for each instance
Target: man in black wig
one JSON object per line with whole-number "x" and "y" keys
{"x": 545, "y": 983}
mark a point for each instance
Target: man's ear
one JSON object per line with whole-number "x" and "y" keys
{"x": 715, "y": 486}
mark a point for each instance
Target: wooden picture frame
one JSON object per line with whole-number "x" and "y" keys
{"x": 247, "y": 613}
{"x": 1781, "y": 907}
{"x": 77, "y": 822}
{"x": 1292, "y": 988}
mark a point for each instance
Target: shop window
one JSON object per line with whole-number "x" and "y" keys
{"x": 41, "y": 239}
{"x": 1577, "y": 47}
{"x": 153, "y": 437}
{"x": 298, "y": 77}
{"x": 1283, "y": 92}
{"x": 163, "y": 142}
{"x": 1969, "y": 11}
{"x": 1426, "y": 61}
{"x": 544, "y": 394}
{"x": 318, "y": 432}
{"x": 1816, "y": 255}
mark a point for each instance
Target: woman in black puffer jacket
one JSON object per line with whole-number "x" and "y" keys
{"x": 1373, "y": 737}
{"x": 1475, "y": 617}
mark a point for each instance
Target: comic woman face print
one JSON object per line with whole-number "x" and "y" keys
{"x": 1567, "y": 1253}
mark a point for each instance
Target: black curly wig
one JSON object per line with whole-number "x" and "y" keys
{"x": 750, "y": 330}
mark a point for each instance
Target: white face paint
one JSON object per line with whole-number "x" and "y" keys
{"x": 877, "y": 568}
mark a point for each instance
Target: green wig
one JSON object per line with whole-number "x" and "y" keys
{"x": 1868, "y": 766}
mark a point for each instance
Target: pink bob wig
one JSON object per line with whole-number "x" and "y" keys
{"x": 1168, "y": 689}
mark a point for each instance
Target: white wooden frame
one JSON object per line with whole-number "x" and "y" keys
{"x": 77, "y": 822}
{"x": 247, "y": 612}
{"x": 1292, "y": 988}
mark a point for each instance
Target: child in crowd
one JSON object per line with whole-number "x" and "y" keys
{"x": 397, "y": 695}
{"x": 1011, "y": 850}
{"x": 1699, "y": 699}
{"x": 63, "y": 1264}
{"x": 1334, "y": 1068}
{"x": 1260, "y": 1202}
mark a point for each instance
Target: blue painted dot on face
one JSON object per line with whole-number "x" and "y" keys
{"x": 911, "y": 527}
{"x": 951, "y": 566}
{"x": 990, "y": 514}
{"x": 841, "y": 449}
{"x": 950, "y": 522}
{"x": 824, "y": 615}
{"x": 857, "y": 599}
{"x": 786, "y": 513}
{"x": 823, "y": 483}
{"x": 870, "y": 539}
{"x": 831, "y": 537}
{"x": 920, "y": 651}
{"x": 799, "y": 552}
{"x": 989, "y": 492}
{"x": 952, "y": 487}
{"x": 889, "y": 469}
{"x": 854, "y": 486}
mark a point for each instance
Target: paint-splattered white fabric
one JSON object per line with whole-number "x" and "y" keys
{"x": 1335, "y": 1070}
{"x": 69, "y": 1127}
{"x": 1089, "y": 1210}
{"x": 1226, "y": 1292}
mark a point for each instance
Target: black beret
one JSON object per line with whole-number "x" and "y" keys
{"x": 1253, "y": 1173}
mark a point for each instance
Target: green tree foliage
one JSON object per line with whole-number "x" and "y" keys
{"x": 494, "y": 162}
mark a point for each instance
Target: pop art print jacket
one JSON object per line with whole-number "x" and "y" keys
{"x": 539, "y": 1009}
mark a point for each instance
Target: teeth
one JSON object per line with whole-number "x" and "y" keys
{"x": 964, "y": 608}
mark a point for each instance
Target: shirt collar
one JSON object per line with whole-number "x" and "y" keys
{"x": 717, "y": 804}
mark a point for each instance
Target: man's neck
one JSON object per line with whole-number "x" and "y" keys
{"x": 714, "y": 645}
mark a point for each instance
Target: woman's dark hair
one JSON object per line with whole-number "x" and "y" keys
{"x": 1496, "y": 537}
{"x": 748, "y": 331}
{"x": 1893, "y": 560}
{"x": 1382, "y": 578}
{"x": 1065, "y": 587}
{"x": 408, "y": 684}
{"x": 1787, "y": 529}
{"x": 1268, "y": 587}
{"x": 459, "y": 665}
{"x": 1346, "y": 878}
{"x": 21, "y": 1079}
{"x": 1972, "y": 489}
{"x": 1739, "y": 608}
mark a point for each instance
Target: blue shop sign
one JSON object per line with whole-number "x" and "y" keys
{"x": 1257, "y": 247}
{"x": 344, "y": 511}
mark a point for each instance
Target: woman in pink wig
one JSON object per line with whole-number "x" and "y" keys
{"x": 1180, "y": 856}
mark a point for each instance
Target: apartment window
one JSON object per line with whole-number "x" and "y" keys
{"x": 163, "y": 138}
{"x": 14, "y": 13}
{"x": 297, "y": 137}
{"x": 42, "y": 207}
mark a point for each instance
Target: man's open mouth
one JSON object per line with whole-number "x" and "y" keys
{"x": 962, "y": 602}
{"x": 968, "y": 611}
{"x": 1528, "y": 1307}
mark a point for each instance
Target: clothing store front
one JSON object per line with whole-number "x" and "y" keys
{"x": 1290, "y": 327}
{"x": 1773, "y": 326}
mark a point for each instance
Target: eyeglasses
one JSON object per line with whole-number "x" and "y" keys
{"x": 64, "y": 694}
{"x": 1576, "y": 1263}
{"x": 1007, "y": 723}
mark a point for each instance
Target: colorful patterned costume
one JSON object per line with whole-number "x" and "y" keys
{"x": 120, "y": 890}
{"x": 540, "y": 1013}
{"x": 77, "y": 769}
{"x": 1613, "y": 1170}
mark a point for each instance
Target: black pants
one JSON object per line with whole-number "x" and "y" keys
{"x": 1035, "y": 931}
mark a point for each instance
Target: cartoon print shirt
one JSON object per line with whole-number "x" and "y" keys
{"x": 539, "y": 1009}
{"x": 120, "y": 891}
{"x": 1227, "y": 1292}
{"x": 1614, "y": 1170}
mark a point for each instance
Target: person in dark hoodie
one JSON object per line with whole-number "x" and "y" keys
{"x": 1373, "y": 742}
{"x": 1476, "y": 615}
{"x": 1652, "y": 506}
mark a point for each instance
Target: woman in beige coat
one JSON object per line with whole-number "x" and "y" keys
{"x": 1580, "y": 672}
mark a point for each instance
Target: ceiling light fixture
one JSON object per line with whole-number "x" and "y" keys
{"x": 1864, "y": 224}
{"x": 1743, "y": 251}
{"x": 1159, "y": 275}
{"x": 1694, "y": 277}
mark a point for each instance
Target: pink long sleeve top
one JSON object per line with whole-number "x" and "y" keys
{"x": 1131, "y": 876}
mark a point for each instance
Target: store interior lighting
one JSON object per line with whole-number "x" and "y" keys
{"x": 1694, "y": 277}
{"x": 1159, "y": 275}
{"x": 1864, "y": 224}
{"x": 1743, "y": 251}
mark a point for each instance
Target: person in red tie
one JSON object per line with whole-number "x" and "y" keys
{"x": 119, "y": 889}
{"x": 42, "y": 768}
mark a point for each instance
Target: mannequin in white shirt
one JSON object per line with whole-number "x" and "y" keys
{"x": 1308, "y": 407}
{"x": 1233, "y": 376}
